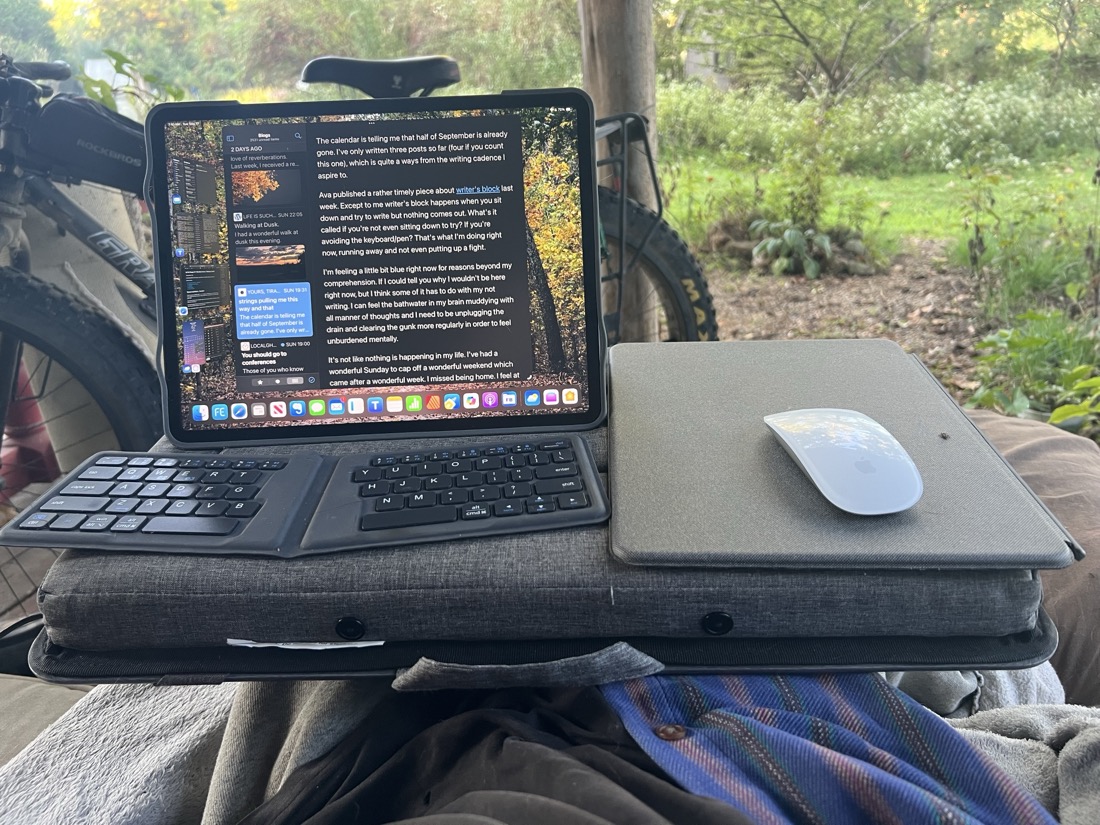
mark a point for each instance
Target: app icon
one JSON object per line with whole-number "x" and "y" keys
{"x": 570, "y": 395}
{"x": 180, "y": 252}
{"x": 394, "y": 403}
{"x": 375, "y": 404}
{"x": 414, "y": 403}
{"x": 176, "y": 199}
{"x": 451, "y": 401}
{"x": 316, "y": 406}
{"x": 356, "y": 406}
{"x": 259, "y": 410}
{"x": 433, "y": 402}
{"x": 470, "y": 400}
{"x": 277, "y": 409}
{"x": 196, "y": 367}
{"x": 183, "y": 310}
{"x": 238, "y": 216}
{"x": 509, "y": 398}
{"x": 242, "y": 292}
{"x": 219, "y": 412}
{"x": 550, "y": 397}
{"x": 297, "y": 408}
{"x": 200, "y": 412}
{"x": 186, "y": 369}
{"x": 531, "y": 398}
{"x": 489, "y": 400}
{"x": 238, "y": 411}
{"x": 336, "y": 406}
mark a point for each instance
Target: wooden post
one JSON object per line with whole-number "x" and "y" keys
{"x": 619, "y": 70}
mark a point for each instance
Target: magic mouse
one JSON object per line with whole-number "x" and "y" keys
{"x": 852, "y": 459}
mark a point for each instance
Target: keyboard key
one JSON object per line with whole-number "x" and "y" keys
{"x": 67, "y": 521}
{"x": 556, "y": 471}
{"x": 385, "y": 503}
{"x": 100, "y": 472}
{"x": 272, "y": 464}
{"x": 540, "y": 504}
{"x": 211, "y": 491}
{"x": 75, "y": 504}
{"x": 219, "y": 475}
{"x": 218, "y": 464}
{"x": 155, "y": 489}
{"x": 182, "y": 507}
{"x": 36, "y": 521}
{"x": 485, "y": 493}
{"x": 476, "y": 511}
{"x": 213, "y": 508}
{"x": 508, "y": 508}
{"x": 166, "y": 462}
{"x": 549, "y": 487}
{"x": 152, "y": 506}
{"x": 191, "y": 525}
{"x": 241, "y": 492}
{"x": 367, "y": 474}
{"x": 133, "y": 474}
{"x": 242, "y": 509}
{"x": 423, "y": 500}
{"x": 192, "y": 463}
{"x": 95, "y": 524}
{"x": 126, "y": 488}
{"x": 245, "y": 464}
{"x": 408, "y": 518}
{"x": 245, "y": 477}
{"x": 188, "y": 476}
{"x": 161, "y": 474}
{"x": 87, "y": 488}
{"x": 572, "y": 501}
{"x": 141, "y": 461}
{"x": 128, "y": 524}
{"x": 121, "y": 506}
{"x": 454, "y": 497}
{"x": 183, "y": 491}
{"x": 111, "y": 460}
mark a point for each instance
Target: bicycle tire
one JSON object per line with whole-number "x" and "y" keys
{"x": 95, "y": 388}
{"x": 666, "y": 269}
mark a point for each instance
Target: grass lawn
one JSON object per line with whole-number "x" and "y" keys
{"x": 926, "y": 205}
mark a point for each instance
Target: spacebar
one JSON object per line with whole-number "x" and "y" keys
{"x": 408, "y": 518}
{"x": 192, "y": 525}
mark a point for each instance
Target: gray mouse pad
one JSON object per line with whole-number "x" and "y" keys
{"x": 697, "y": 478}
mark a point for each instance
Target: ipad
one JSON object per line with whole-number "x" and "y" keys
{"x": 376, "y": 268}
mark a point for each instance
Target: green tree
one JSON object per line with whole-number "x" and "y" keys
{"x": 25, "y": 32}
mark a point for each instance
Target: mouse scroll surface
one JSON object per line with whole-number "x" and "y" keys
{"x": 854, "y": 461}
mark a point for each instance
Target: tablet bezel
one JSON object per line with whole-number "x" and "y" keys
{"x": 168, "y": 363}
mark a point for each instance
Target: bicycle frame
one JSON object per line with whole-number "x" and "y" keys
{"x": 614, "y": 129}
{"x": 70, "y": 217}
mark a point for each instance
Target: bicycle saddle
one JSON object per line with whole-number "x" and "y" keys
{"x": 384, "y": 78}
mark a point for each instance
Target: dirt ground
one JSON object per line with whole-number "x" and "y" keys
{"x": 919, "y": 300}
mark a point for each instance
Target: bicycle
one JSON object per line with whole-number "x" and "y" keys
{"x": 73, "y": 379}
{"x": 646, "y": 263}
{"x": 62, "y": 399}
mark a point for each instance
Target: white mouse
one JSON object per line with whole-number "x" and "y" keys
{"x": 854, "y": 461}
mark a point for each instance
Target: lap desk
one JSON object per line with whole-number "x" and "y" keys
{"x": 759, "y": 574}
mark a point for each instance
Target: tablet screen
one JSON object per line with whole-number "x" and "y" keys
{"x": 370, "y": 268}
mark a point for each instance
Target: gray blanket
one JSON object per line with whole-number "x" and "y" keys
{"x": 129, "y": 754}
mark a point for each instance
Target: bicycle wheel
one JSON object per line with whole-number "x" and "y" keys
{"x": 82, "y": 384}
{"x": 664, "y": 295}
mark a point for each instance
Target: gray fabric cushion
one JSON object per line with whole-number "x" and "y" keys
{"x": 1064, "y": 470}
{"x": 528, "y": 586}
